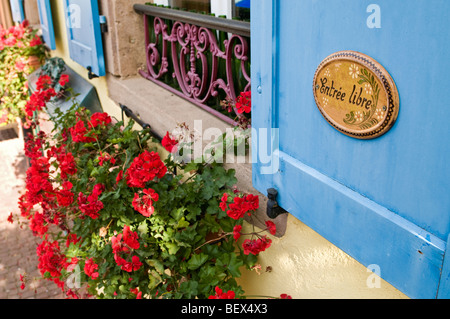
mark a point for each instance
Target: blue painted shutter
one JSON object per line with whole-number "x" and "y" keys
{"x": 45, "y": 16}
{"x": 243, "y": 3}
{"x": 383, "y": 201}
{"x": 17, "y": 11}
{"x": 84, "y": 34}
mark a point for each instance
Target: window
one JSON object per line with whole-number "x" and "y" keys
{"x": 230, "y": 9}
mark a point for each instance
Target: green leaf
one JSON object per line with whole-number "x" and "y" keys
{"x": 143, "y": 228}
{"x": 154, "y": 279}
{"x": 156, "y": 264}
{"x": 172, "y": 248}
{"x": 232, "y": 263}
{"x": 182, "y": 223}
{"x": 197, "y": 261}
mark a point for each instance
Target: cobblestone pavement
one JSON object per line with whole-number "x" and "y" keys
{"x": 17, "y": 246}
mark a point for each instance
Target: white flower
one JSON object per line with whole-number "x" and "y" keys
{"x": 368, "y": 88}
{"x": 379, "y": 114}
{"x": 354, "y": 71}
{"x": 359, "y": 116}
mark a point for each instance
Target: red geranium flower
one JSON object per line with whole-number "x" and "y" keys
{"x": 145, "y": 168}
{"x": 244, "y": 102}
{"x": 63, "y": 79}
{"x": 271, "y": 227}
{"x": 222, "y": 295}
{"x": 256, "y": 246}
{"x": 237, "y": 232}
{"x": 169, "y": 144}
{"x": 90, "y": 269}
{"x": 144, "y": 205}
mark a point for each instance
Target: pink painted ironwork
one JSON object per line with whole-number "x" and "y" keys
{"x": 193, "y": 55}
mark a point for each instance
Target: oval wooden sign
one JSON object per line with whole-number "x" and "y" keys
{"x": 356, "y": 95}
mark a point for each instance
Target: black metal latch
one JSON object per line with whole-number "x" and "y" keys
{"x": 273, "y": 209}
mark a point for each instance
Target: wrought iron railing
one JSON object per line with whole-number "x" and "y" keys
{"x": 201, "y": 58}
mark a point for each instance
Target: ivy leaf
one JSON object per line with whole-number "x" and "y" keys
{"x": 182, "y": 223}
{"x": 154, "y": 279}
{"x": 143, "y": 228}
{"x": 172, "y": 248}
{"x": 156, "y": 264}
{"x": 231, "y": 262}
{"x": 197, "y": 261}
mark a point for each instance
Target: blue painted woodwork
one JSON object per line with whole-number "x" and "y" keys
{"x": 243, "y": 3}
{"x": 17, "y": 11}
{"x": 383, "y": 201}
{"x": 84, "y": 34}
{"x": 45, "y": 16}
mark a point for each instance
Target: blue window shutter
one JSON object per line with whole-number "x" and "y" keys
{"x": 243, "y": 3}
{"x": 45, "y": 16}
{"x": 84, "y": 34}
{"x": 385, "y": 202}
{"x": 17, "y": 11}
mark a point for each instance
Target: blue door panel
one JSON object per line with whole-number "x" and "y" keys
{"x": 17, "y": 11}
{"x": 84, "y": 34}
{"x": 45, "y": 16}
{"x": 384, "y": 201}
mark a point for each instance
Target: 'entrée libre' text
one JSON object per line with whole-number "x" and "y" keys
{"x": 355, "y": 97}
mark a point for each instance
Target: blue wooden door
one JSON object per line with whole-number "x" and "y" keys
{"x": 384, "y": 201}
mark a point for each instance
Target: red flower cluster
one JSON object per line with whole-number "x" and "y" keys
{"x": 39, "y": 188}
{"x": 222, "y": 295}
{"x": 65, "y": 196}
{"x": 38, "y": 225}
{"x": 237, "y": 210}
{"x": 255, "y": 246}
{"x": 240, "y": 205}
{"x": 244, "y": 102}
{"x": 72, "y": 239}
{"x": 271, "y": 227}
{"x": 145, "y": 168}
{"x": 44, "y": 93}
{"x": 105, "y": 157}
{"x": 63, "y": 79}
{"x": 15, "y": 35}
{"x": 136, "y": 292}
{"x": 90, "y": 269}
{"x": 51, "y": 260}
{"x": 66, "y": 161}
{"x": 33, "y": 146}
{"x": 90, "y": 205}
{"x": 169, "y": 144}
{"x": 237, "y": 232}
{"x": 100, "y": 119}
{"x": 125, "y": 243}
{"x": 144, "y": 205}
{"x": 79, "y": 132}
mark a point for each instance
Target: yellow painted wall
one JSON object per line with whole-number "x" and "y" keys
{"x": 305, "y": 265}
{"x": 302, "y": 263}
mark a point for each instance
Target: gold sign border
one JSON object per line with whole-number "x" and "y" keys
{"x": 383, "y": 77}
